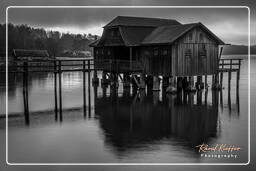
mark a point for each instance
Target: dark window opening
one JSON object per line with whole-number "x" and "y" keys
{"x": 188, "y": 53}
{"x": 190, "y": 36}
{"x": 202, "y": 53}
{"x": 155, "y": 52}
{"x": 165, "y": 52}
{"x": 109, "y": 52}
{"x": 146, "y": 52}
{"x": 201, "y": 37}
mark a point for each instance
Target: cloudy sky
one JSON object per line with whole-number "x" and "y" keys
{"x": 230, "y": 24}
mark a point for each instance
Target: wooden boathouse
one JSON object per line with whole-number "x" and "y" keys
{"x": 153, "y": 47}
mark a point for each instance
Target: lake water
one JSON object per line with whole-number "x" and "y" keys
{"x": 122, "y": 126}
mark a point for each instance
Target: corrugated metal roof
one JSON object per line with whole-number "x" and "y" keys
{"x": 140, "y": 21}
{"x": 30, "y": 53}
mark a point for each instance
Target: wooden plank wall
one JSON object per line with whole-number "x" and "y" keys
{"x": 198, "y": 65}
{"x": 159, "y": 64}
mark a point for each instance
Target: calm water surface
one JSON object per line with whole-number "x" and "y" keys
{"x": 124, "y": 126}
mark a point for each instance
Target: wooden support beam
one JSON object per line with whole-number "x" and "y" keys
{"x": 130, "y": 50}
{"x": 89, "y": 89}
{"x": 95, "y": 79}
{"x": 55, "y": 91}
{"x": 142, "y": 84}
{"x": 25, "y": 92}
{"x": 84, "y": 90}
{"x": 60, "y": 92}
{"x": 156, "y": 85}
{"x": 126, "y": 80}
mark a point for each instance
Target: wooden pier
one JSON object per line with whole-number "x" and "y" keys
{"x": 87, "y": 66}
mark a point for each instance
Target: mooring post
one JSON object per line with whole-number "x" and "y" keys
{"x": 60, "y": 91}
{"x": 229, "y": 79}
{"x": 221, "y": 74}
{"x": 156, "y": 83}
{"x": 171, "y": 88}
{"x": 205, "y": 97}
{"x": 190, "y": 83}
{"x": 199, "y": 84}
{"x": 104, "y": 78}
{"x": 55, "y": 90}
{"x": 199, "y": 97}
{"x": 213, "y": 82}
{"x": 149, "y": 82}
{"x": 126, "y": 80}
{"x": 165, "y": 82}
{"x": 179, "y": 83}
{"x": 25, "y": 92}
{"x": 89, "y": 88}
{"x": 142, "y": 84}
{"x": 205, "y": 82}
{"x": 84, "y": 91}
{"x": 238, "y": 75}
{"x": 95, "y": 79}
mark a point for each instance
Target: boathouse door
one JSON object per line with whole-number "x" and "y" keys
{"x": 202, "y": 59}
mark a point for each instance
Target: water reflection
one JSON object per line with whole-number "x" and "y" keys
{"x": 133, "y": 121}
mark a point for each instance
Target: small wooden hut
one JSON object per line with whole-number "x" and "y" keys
{"x": 30, "y": 55}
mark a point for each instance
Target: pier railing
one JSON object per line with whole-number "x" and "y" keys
{"x": 73, "y": 65}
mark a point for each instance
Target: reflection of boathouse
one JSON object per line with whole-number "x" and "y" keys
{"x": 131, "y": 121}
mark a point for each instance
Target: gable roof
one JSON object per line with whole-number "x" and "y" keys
{"x": 140, "y": 21}
{"x": 30, "y": 53}
{"x": 133, "y": 36}
{"x": 168, "y": 34}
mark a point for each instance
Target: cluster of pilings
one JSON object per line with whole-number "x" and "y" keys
{"x": 173, "y": 84}
{"x": 155, "y": 83}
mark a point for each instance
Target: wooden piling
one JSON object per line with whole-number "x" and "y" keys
{"x": 60, "y": 91}
{"x": 179, "y": 83}
{"x": 205, "y": 82}
{"x": 84, "y": 89}
{"x": 142, "y": 81}
{"x": 156, "y": 83}
{"x": 89, "y": 88}
{"x": 165, "y": 82}
{"x": 95, "y": 79}
{"x": 25, "y": 92}
{"x": 199, "y": 84}
{"x": 126, "y": 80}
{"x": 55, "y": 91}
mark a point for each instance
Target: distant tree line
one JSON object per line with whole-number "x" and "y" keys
{"x": 26, "y": 37}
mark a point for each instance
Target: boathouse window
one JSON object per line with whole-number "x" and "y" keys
{"x": 146, "y": 52}
{"x": 190, "y": 36}
{"x": 203, "y": 51}
{"x": 165, "y": 52}
{"x": 114, "y": 33}
{"x": 155, "y": 51}
{"x": 188, "y": 53}
{"x": 109, "y": 52}
{"x": 201, "y": 37}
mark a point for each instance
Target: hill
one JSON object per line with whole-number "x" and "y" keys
{"x": 238, "y": 50}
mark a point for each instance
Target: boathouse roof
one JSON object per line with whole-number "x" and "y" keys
{"x": 168, "y": 34}
{"x": 137, "y": 31}
{"x": 30, "y": 53}
{"x": 140, "y": 21}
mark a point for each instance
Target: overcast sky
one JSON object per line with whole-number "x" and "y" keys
{"x": 231, "y": 25}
